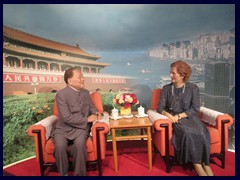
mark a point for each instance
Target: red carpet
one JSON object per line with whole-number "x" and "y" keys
{"x": 132, "y": 160}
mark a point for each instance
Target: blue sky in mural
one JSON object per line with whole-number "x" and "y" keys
{"x": 121, "y": 34}
{"x": 119, "y": 27}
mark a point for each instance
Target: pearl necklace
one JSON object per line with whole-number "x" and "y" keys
{"x": 182, "y": 90}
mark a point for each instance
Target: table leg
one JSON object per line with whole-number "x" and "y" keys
{"x": 142, "y": 133}
{"x": 114, "y": 146}
{"x": 149, "y": 147}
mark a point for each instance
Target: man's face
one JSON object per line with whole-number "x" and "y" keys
{"x": 77, "y": 81}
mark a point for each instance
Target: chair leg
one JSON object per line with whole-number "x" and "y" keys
{"x": 41, "y": 168}
{"x": 92, "y": 165}
{"x": 222, "y": 154}
{"x": 155, "y": 150}
{"x": 40, "y": 153}
{"x": 223, "y": 150}
{"x": 168, "y": 166}
{"x": 167, "y": 156}
{"x": 99, "y": 159}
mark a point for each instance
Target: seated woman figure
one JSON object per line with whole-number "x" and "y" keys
{"x": 180, "y": 102}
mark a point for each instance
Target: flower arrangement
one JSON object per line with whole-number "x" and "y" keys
{"x": 126, "y": 100}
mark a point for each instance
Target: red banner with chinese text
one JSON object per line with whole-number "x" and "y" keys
{"x": 24, "y": 78}
{"x": 108, "y": 80}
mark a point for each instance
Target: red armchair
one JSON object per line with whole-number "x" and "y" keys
{"x": 217, "y": 123}
{"x": 44, "y": 146}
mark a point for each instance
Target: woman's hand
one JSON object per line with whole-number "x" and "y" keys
{"x": 173, "y": 119}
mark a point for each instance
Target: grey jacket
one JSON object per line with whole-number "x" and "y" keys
{"x": 74, "y": 107}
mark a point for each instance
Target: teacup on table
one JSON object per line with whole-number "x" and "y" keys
{"x": 141, "y": 111}
{"x": 114, "y": 113}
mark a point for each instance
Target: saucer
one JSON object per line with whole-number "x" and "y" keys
{"x": 138, "y": 116}
{"x": 119, "y": 117}
{"x": 128, "y": 116}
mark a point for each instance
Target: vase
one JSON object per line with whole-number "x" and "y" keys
{"x": 125, "y": 111}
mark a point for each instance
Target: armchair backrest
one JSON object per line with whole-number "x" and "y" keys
{"x": 96, "y": 98}
{"x": 155, "y": 98}
{"x": 55, "y": 109}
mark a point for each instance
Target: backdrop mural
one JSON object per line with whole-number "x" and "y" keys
{"x": 117, "y": 47}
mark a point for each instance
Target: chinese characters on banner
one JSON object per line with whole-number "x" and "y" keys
{"x": 11, "y": 77}
{"x": 24, "y": 78}
{"x": 108, "y": 80}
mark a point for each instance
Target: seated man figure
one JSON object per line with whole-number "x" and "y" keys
{"x": 76, "y": 114}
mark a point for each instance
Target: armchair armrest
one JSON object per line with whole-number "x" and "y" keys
{"x": 208, "y": 115}
{"x": 215, "y": 118}
{"x": 99, "y": 132}
{"x": 41, "y": 131}
{"x": 161, "y": 125}
{"x": 44, "y": 125}
{"x": 160, "y": 122}
{"x": 162, "y": 134}
{"x": 223, "y": 122}
{"x": 219, "y": 120}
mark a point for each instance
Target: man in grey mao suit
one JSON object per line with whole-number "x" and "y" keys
{"x": 76, "y": 114}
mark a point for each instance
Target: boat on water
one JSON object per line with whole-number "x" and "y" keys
{"x": 145, "y": 71}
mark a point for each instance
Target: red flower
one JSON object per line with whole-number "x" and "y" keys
{"x": 126, "y": 99}
{"x": 127, "y": 105}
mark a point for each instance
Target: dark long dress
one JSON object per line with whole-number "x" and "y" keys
{"x": 191, "y": 139}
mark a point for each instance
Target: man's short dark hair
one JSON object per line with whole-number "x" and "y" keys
{"x": 69, "y": 73}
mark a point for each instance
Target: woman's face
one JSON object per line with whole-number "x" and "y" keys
{"x": 175, "y": 76}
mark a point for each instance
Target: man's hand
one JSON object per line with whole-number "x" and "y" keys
{"x": 99, "y": 115}
{"x": 92, "y": 118}
{"x": 95, "y": 117}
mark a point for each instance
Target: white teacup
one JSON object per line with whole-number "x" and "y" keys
{"x": 141, "y": 111}
{"x": 114, "y": 113}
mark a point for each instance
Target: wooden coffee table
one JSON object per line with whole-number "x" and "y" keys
{"x": 131, "y": 123}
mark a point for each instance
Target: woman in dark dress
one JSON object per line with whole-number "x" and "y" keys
{"x": 180, "y": 102}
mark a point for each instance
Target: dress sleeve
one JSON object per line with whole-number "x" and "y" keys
{"x": 163, "y": 100}
{"x": 195, "y": 102}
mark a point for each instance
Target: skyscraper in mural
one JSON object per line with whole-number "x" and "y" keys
{"x": 217, "y": 78}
